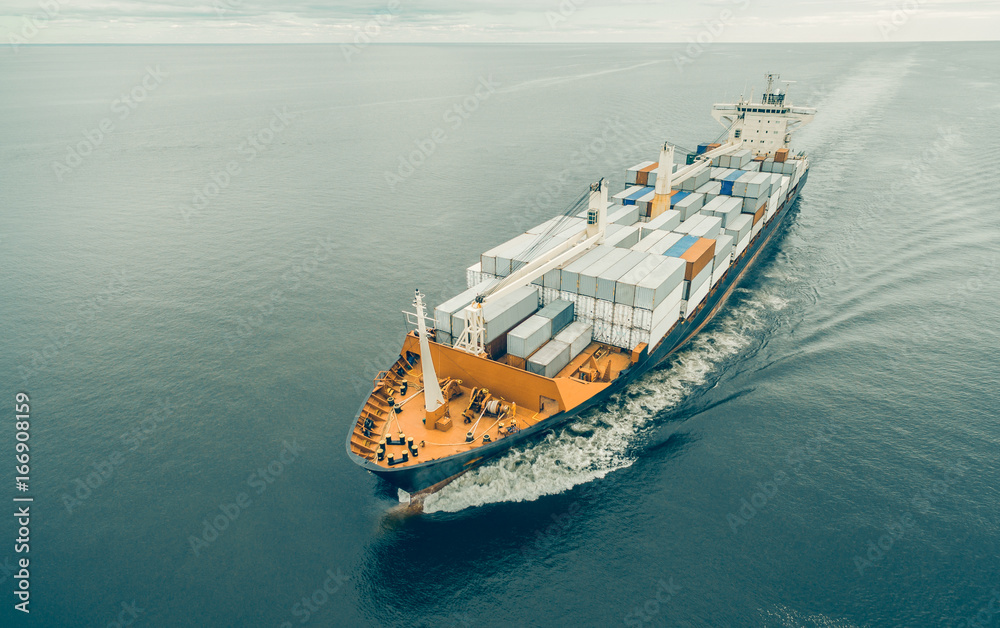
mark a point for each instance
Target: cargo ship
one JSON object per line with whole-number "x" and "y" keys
{"x": 558, "y": 319}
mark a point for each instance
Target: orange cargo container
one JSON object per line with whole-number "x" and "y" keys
{"x": 697, "y": 257}
{"x": 713, "y": 146}
{"x": 759, "y": 214}
{"x": 781, "y": 155}
{"x": 642, "y": 177}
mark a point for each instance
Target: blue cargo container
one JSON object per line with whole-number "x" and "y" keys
{"x": 681, "y": 247}
{"x": 680, "y": 196}
{"x": 702, "y": 148}
{"x": 637, "y": 195}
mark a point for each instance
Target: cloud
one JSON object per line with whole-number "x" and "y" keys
{"x": 262, "y": 21}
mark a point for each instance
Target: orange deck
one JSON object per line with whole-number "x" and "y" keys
{"x": 536, "y": 398}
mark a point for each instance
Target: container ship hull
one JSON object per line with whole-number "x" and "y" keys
{"x": 560, "y": 318}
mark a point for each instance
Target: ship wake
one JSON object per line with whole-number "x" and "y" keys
{"x": 605, "y": 440}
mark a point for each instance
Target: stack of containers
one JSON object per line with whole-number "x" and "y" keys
{"x": 709, "y": 227}
{"x": 631, "y": 194}
{"x": 725, "y": 207}
{"x": 657, "y": 303}
{"x": 632, "y": 174}
{"x": 664, "y": 244}
{"x": 645, "y": 297}
{"x": 738, "y": 159}
{"x": 500, "y": 316}
{"x": 622, "y": 237}
{"x": 650, "y": 240}
{"x": 728, "y": 182}
{"x": 695, "y": 181}
{"x": 444, "y": 313}
{"x": 610, "y": 324}
{"x": 698, "y": 253}
{"x": 505, "y": 251}
{"x": 569, "y": 279}
{"x": 711, "y": 190}
{"x": 578, "y": 336}
{"x": 627, "y": 215}
{"x": 687, "y": 204}
{"x": 553, "y": 357}
{"x": 560, "y": 312}
{"x": 740, "y": 230}
{"x": 529, "y": 336}
{"x": 645, "y": 202}
{"x": 474, "y": 274}
{"x": 723, "y": 257}
{"x": 587, "y": 299}
{"x": 666, "y": 221}
{"x": 689, "y": 224}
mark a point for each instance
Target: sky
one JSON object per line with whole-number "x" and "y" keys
{"x": 515, "y": 21}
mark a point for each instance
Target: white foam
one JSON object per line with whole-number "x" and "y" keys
{"x": 788, "y": 617}
{"x": 600, "y": 442}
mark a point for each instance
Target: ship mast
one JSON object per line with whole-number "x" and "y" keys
{"x": 433, "y": 398}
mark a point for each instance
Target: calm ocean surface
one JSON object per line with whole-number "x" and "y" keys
{"x": 187, "y": 306}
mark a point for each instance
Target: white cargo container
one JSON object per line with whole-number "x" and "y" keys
{"x": 666, "y": 221}
{"x": 604, "y": 310}
{"x": 707, "y": 228}
{"x": 638, "y": 337}
{"x": 443, "y": 313}
{"x": 723, "y": 248}
{"x": 570, "y": 273}
{"x": 585, "y": 308}
{"x": 689, "y": 224}
{"x": 623, "y": 238}
{"x": 625, "y": 286}
{"x": 665, "y": 324}
{"x": 517, "y": 244}
{"x": 689, "y": 205}
{"x": 727, "y": 208}
{"x": 659, "y": 248}
{"x": 718, "y": 174}
{"x": 740, "y": 227}
{"x": 627, "y": 215}
{"x": 588, "y": 277}
{"x": 550, "y": 359}
{"x": 756, "y": 229}
{"x": 656, "y": 287}
{"x": 578, "y": 336}
{"x": 740, "y": 185}
{"x": 693, "y": 182}
{"x": 692, "y": 287}
{"x": 474, "y": 275}
{"x": 623, "y": 314}
{"x": 751, "y": 205}
{"x": 529, "y": 336}
{"x": 602, "y": 330}
{"x": 502, "y": 314}
{"x": 698, "y": 296}
{"x": 607, "y": 279}
{"x": 649, "y": 240}
{"x": 740, "y": 158}
{"x": 710, "y": 189}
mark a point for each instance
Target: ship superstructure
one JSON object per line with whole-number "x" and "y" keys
{"x": 558, "y": 318}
